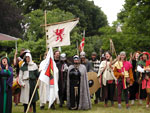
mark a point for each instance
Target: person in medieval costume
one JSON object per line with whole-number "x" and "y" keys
{"x": 95, "y": 65}
{"x": 28, "y": 76}
{"x": 78, "y": 95}
{"x": 43, "y": 88}
{"x": 85, "y": 62}
{"x": 17, "y": 64}
{"x": 124, "y": 75}
{"x": 144, "y": 74}
{"x": 62, "y": 81}
{"x": 6, "y": 80}
{"x": 57, "y": 57}
{"x": 108, "y": 79}
{"x": 134, "y": 89}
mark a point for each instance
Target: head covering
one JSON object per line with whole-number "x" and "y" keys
{"x": 144, "y": 53}
{"x": 24, "y": 52}
{"x": 94, "y": 53}
{"x": 63, "y": 56}
{"x": 29, "y": 55}
{"x": 123, "y": 53}
{"x": 76, "y": 57}
{"x": 82, "y": 54}
{"x": 8, "y": 61}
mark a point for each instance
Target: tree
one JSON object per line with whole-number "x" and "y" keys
{"x": 91, "y": 16}
{"x": 10, "y": 19}
{"x": 35, "y": 19}
{"x": 135, "y": 18}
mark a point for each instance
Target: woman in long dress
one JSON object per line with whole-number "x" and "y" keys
{"x": 6, "y": 80}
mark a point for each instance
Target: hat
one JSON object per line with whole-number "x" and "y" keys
{"x": 123, "y": 53}
{"x": 94, "y": 53}
{"x": 76, "y": 57}
{"x": 82, "y": 54}
{"x": 94, "y": 84}
{"x": 63, "y": 56}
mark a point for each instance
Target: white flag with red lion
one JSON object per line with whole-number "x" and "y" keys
{"x": 59, "y": 34}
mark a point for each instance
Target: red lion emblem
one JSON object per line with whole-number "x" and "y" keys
{"x": 59, "y": 33}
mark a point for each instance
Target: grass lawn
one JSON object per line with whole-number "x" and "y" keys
{"x": 96, "y": 108}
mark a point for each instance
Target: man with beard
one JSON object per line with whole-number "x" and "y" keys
{"x": 85, "y": 62}
{"x": 78, "y": 95}
{"x": 62, "y": 82}
{"x": 57, "y": 57}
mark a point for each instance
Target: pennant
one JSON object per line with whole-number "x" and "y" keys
{"x": 81, "y": 48}
{"x": 112, "y": 48}
{"x": 49, "y": 75}
{"x": 49, "y": 72}
{"x": 59, "y": 34}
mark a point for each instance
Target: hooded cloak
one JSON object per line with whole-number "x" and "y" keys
{"x": 9, "y": 82}
{"x": 84, "y": 98}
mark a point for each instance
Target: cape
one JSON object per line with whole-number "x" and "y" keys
{"x": 84, "y": 101}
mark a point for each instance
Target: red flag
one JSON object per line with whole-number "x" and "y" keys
{"x": 49, "y": 71}
{"x": 82, "y": 45}
{"x": 49, "y": 75}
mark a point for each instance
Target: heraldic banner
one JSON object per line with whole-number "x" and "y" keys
{"x": 59, "y": 34}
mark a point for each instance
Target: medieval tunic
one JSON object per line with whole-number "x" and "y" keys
{"x": 108, "y": 80}
{"x": 145, "y": 80}
{"x": 135, "y": 87}
{"x": 84, "y": 101}
{"x": 62, "y": 81}
{"x": 43, "y": 88}
{"x": 141, "y": 76}
{"x": 123, "y": 79}
{"x": 95, "y": 65}
{"x": 9, "y": 74}
{"x": 27, "y": 79}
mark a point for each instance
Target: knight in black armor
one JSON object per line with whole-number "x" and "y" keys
{"x": 78, "y": 96}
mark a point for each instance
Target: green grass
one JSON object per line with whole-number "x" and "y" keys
{"x": 96, "y": 108}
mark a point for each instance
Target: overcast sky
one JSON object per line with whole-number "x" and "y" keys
{"x": 110, "y": 8}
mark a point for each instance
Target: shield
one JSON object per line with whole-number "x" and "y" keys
{"x": 94, "y": 84}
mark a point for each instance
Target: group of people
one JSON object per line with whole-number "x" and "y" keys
{"x": 115, "y": 76}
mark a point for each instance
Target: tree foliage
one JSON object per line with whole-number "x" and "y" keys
{"x": 135, "y": 20}
{"x": 91, "y": 16}
{"x": 10, "y": 18}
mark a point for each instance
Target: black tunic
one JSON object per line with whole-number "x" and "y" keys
{"x": 74, "y": 76}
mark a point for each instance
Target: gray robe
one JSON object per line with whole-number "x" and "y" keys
{"x": 84, "y": 101}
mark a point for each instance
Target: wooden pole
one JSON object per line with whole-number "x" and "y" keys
{"x": 38, "y": 78}
{"x": 45, "y": 28}
{"x": 77, "y": 47}
{"x": 84, "y": 38}
{"x": 59, "y": 22}
{"x": 32, "y": 95}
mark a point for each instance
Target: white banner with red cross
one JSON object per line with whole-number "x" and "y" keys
{"x": 59, "y": 34}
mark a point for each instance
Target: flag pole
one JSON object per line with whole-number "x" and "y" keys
{"x": 77, "y": 47}
{"x": 32, "y": 95}
{"x": 83, "y": 36}
{"x": 38, "y": 78}
{"x": 60, "y": 22}
{"x": 45, "y": 28}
